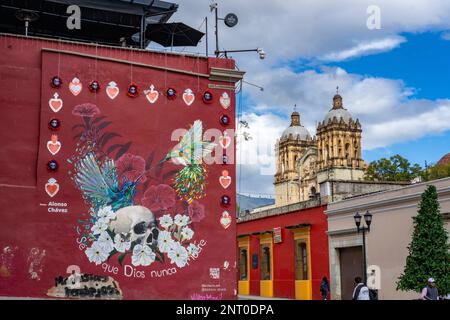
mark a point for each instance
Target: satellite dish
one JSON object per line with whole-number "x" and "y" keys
{"x": 231, "y": 20}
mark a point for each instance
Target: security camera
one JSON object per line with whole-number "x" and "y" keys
{"x": 262, "y": 53}
{"x": 212, "y": 6}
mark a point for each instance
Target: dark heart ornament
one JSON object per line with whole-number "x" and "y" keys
{"x": 54, "y": 124}
{"x": 56, "y": 82}
{"x": 225, "y": 120}
{"x": 207, "y": 97}
{"x": 52, "y": 165}
{"x": 94, "y": 86}
{"x": 225, "y": 200}
{"x": 171, "y": 93}
{"x": 133, "y": 90}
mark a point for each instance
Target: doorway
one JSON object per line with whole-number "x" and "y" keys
{"x": 350, "y": 262}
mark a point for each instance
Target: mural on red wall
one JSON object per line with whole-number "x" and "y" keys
{"x": 133, "y": 192}
{"x": 155, "y": 228}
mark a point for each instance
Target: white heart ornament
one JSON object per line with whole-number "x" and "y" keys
{"x": 151, "y": 95}
{"x": 53, "y": 146}
{"x": 112, "y": 90}
{"x": 52, "y": 187}
{"x": 75, "y": 86}
{"x": 225, "y": 141}
{"x": 225, "y": 100}
{"x": 225, "y": 179}
{"x": 188, "y": 97}
{"x": 225, "y": 220}
{"x": 55, "y": 103}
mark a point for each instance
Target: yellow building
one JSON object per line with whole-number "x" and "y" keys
{"x": 305, "y": 163}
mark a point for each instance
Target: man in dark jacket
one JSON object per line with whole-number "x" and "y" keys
{"x": 430, "y": 292}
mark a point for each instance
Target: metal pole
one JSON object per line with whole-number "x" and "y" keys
{"x": 217, "y": 32}
{"x": 206, "y": 25}
{"x": 364, "y": 255}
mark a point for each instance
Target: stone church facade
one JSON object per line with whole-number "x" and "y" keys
{"x": 328, "y": 165}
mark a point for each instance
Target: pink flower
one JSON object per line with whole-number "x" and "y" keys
{"x": 196, "y": 211}
{"x": 131, "y": 167}
{"x": 160, "y": 197}
{"x": 86, "y": 110}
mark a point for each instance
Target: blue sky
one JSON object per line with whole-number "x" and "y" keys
{"x": 423, "y": 62}
{"x": 395, "y": 79}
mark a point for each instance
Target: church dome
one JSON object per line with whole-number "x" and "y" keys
{"x": 338, "y": 111}
{"x": 298, "y": 132}
{"x": 296, "y": 129}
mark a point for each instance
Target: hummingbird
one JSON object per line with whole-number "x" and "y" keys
{"x": 191, "y": 149}
{"x": 100, "y": 185}
{"x": 189, "y": 152}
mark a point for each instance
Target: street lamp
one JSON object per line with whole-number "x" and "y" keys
{"x": 368, "y": 219}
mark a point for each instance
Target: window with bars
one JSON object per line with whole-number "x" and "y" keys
{"x": 301, "y": 260}
{"x": 265, "y": 262}
{"x": 243, "y": 264}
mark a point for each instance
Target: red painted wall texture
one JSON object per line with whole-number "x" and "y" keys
{"x": 283, "y": 253}
{"x": 43, "y": 232}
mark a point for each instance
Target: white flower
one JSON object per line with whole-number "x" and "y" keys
{"x": 178, "y": 255}
{"x": 96, "y": 253}
{"x": 104, "y": 211}
{"x": 106, "y": 242}
{"x": 142, "y": 255}
{"x": 181, "y": 221}
{"x": 192, "y": 249}
{"x": 187, "y": 233}
{"x": 166, "y": 221}
{"x": 120, "y": 243}
{"x": 100, "y": 226}
{"x": 165, "y": 241}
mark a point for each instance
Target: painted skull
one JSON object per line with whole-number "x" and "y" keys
{"x": 139, "y": 222}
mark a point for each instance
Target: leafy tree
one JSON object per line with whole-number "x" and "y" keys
{"x": 396, "y": 168}
{"x": 437, "y": 171}
{"x": 429, "y": 250}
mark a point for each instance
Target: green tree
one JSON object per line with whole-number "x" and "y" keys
{"x": 429, "y": 249}
{"x": 437, "y": 171}
{"x": 396, "y": 168}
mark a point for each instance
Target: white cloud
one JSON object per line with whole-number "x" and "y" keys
{"x": 296, "y": 32}
{"x": 365, "y": 48}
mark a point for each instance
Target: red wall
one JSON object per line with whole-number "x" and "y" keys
{"x": 283, "y": 253}
{"x": 36, "y": 246}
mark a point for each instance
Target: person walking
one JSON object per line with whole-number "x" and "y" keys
{"x": 361, "y": 291}
{"x": 324, "y": 288}
{"x": 430, "y": 292}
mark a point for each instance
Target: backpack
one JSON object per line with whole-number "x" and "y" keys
{"x": 373, "y": 294}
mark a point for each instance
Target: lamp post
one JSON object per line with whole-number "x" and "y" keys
{"x": 368, "y": 219}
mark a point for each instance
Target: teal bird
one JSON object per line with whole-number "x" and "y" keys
{"x": 100, "y": 186}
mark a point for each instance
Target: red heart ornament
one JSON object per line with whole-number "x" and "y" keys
{"x": 51, "y": 187}
{"x": 55, "y": 103}
{"x": 75, "y": 86}
{"x": 225, "y": 220}
{"x": 225, "y": 100}
{"x": 225, "y": 141}
{"x": 151, "y": 95}
{"x": 225, "y": 179}
{"x": 188, "y": 97}
{"x": 112, "y": 90}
